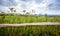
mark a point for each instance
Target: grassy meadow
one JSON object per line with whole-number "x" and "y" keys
{"x": 16, "y": 19}
{"x": 43, "y": 30}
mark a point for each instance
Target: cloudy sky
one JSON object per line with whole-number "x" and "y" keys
{"x": 40, "y": 6}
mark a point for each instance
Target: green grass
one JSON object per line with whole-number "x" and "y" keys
{"x": 43, "y": 30}
{"x": 27, "y": 19}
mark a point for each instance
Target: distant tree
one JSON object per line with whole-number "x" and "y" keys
{"x": 11, "y": 9}
{"x": 14, "y": 10}
{"x": 33, "y": 11}
{"x": 45, "y": 15}
{"x": 2, "y": 13}
{"x": 27, "y": 13}
{"x": 24, "y": 10}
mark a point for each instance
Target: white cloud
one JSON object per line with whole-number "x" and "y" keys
{"x": 39, "y": 8}
{"x": 4, "y": 9}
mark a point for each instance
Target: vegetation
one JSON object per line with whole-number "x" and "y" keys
{"x": 43, "y": 30}
{"x": 11, "y": 19}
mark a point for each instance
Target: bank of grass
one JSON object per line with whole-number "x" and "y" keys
{"x": 27, "y": 19}
{"x": 43, "y": 30}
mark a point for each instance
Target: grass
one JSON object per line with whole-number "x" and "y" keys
{"x": 43, "y": 30}
{"x": 27, "y": 19}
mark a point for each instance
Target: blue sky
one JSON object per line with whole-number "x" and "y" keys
{"x": 40, "y": 6}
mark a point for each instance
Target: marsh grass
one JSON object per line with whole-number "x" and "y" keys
{"x": 27, "y": 19}
{"x": 43, "y": 30}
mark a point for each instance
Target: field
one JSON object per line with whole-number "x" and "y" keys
{"x": 43, "y": 30}
{"x": 17, "y": 19}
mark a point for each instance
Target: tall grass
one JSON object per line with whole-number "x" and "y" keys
{"x": 27, "y": 19}
{"x": 45, "y": 30}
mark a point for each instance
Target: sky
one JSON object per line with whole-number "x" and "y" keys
{"x": 40, "y": 6}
